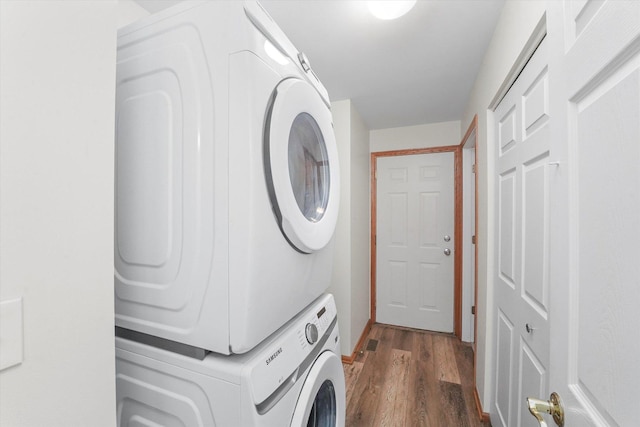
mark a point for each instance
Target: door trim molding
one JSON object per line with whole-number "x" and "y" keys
{"x": 538, "y": 34}
{"x": 457, "y": 262}
{"x": 473, "y": 130}
{"x": 359, "y": 345}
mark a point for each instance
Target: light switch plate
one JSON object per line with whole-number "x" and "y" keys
{"x": 11, "y": 333}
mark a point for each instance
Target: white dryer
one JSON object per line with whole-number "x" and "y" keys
{"x": 227, "y": 178}
{"x": 294, "y": 378}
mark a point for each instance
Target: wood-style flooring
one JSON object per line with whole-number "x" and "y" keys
{"x": 406, "y": 377}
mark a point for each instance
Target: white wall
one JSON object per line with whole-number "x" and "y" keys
{"x": 420, "y": 136}
{"x": 57, "y": 73}
{"x": 517, "y": 22}
{"x": 350, "y": 279}
{"x": 341, "y": 275}
{"x": 360, "y": 226}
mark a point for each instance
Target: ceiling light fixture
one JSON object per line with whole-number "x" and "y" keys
{"x": 390, "y": 9}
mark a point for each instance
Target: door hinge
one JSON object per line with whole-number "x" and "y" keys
{"x": 473, "y": 309}
{"x": 473, "y": 239}
{"x": 473, "y": 168}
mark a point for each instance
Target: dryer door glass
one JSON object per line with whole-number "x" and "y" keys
{"x": 309, "y": 167}
{"x": 301, "y": 165}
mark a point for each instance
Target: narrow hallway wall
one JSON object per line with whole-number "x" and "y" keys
{"x": 350, "y": 280}
{"x": 56, "y": 209}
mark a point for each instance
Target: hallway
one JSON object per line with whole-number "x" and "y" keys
{"x": 407, "y": 377}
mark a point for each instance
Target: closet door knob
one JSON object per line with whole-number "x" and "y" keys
{"x": 552, "y": 406}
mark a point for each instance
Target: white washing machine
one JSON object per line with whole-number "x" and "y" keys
{"x": 227, "y": 179}
{"x": 294, "y": 378}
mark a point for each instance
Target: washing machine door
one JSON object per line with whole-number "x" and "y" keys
{"x": 301, "y": 164}
{"x": 322, "y": 399}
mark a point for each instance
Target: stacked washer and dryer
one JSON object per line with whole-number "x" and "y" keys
{"x": 227, "y": 192}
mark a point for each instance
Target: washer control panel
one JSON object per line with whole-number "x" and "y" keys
{"x": 316, "y": 324}
{"x": 277, "y": 359}
{"x": 311, "y": 332}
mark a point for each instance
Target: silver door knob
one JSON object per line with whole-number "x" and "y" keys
{"x": 447, "y": 251}
{"x": 447, "y": 238}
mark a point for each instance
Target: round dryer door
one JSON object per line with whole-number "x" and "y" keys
{"x": 301, "y": 162}
{"x": 322, "y": 399}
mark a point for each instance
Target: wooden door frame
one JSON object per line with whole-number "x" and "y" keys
{"x": 457, "y": 231}
{"x": 473, "y": 129}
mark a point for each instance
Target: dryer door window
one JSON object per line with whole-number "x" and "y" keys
{"x": 301, "y": 165}
{"x": 309, "y": 167}
{"x": 322, "y": 399}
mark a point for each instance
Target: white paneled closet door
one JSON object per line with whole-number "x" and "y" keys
{"x": 522, "y": 243}
{"x": 567, "y": 181}
{"x": 595, "y": 234}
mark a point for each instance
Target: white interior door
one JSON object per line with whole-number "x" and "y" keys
{"x": 595, "y": 275}
{"x": 522, "y": 244}
{"x": 415, "y": 241}
{"x": 567, "y": 281}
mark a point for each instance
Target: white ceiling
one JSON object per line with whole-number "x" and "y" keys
{"x": 417, "y": 69}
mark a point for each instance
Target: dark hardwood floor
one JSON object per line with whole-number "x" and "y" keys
{"x": 405, "y": 377}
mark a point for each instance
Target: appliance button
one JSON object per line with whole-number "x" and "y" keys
{"x": 311, "y": 332}
{"x": 304, "y": 62}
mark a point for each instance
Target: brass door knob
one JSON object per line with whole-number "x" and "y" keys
{"x": 552, "y": 406}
